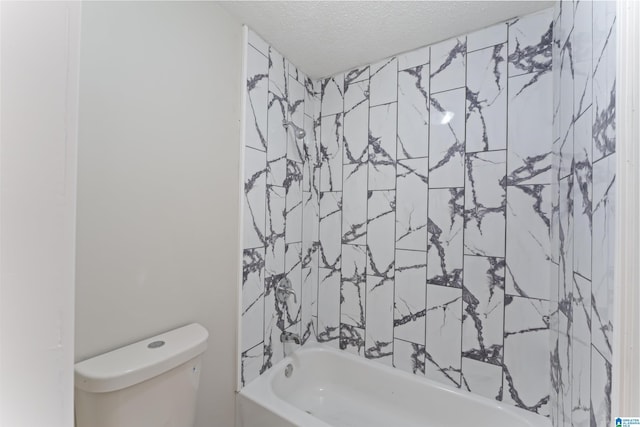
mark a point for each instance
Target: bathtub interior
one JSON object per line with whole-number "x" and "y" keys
{"x": 332, "y": 388}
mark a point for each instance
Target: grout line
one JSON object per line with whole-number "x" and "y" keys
{"x": 395, "y": 222}
{"x": 590, "y": 79}
{"x": 488, "y": 151}
{"x": 318, "y": 143}
{"x": 255, "y": 149}
{"x": 491, "y": 46}
{"x": 342, "y": 144}
{"x": 506, "y": 220}
{"x": 465, "y": 159}
{"x": 452, "y": 89}
{"x": 264, "y": 274}
{"x": 258, "y": 50}
{"x": 366, "y": 265}
{"x": 426, "y": 284}
{"x": 426, "y": 275}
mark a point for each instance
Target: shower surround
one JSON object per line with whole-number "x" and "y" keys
{"x": 583, "y": 225}
{"x": 415, "y": 218}
{"x": 434, "y": 218}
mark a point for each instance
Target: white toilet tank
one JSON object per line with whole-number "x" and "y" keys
{"x": 152, "y": 383}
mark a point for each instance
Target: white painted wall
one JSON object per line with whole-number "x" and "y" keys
{"x": 40, "y": 46}
{"x": 158, "y": 182}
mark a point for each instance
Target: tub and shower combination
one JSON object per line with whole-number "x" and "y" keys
{"x": 318, "y": 386}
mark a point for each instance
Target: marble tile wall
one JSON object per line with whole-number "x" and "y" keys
{"x": 583, "y": 194}
{"x": 449, "y": 213}
{"x": 281, "y": 182}
{"x": 435, "y": 211}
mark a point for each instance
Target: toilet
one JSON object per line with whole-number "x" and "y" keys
{"x": 152, "y": 383}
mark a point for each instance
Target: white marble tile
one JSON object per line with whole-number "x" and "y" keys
{"x": 251, "y": 364}
{"x": 582, "y": 46}
{"x": 256, "y": 99}
{"x": 554, "y": 283}
{"x": 329, "y": 307}
{"x": 258, "y": 42}
{"x": 481, "y": 378}
{"x": 414, "y": 58}
{"x": 444, "y": 317}
{"x": 352, "y": 339}
{"x": 380, "y": 238}
{"x": 483, "y": 309}
{"x": 565, "y": 362}
{"x": 277, "y": 170}
{"x": 581, "y": 352}
{"x": 356, "y": 123}
{"x": 317, "y": 111}
{"x": 277, "y": 113}
{"x": 293, "y": 271}
{"x": 412, "y": 189}
{"x": 309, "y": 302}
{"x": 408, "y": 356}
{"x": 413, "y": 112}
{"x": 447, "y": 139}
{"x": 604, "y": 79}
{"x": 255, "y": 188}
{"x": 485, "y": 202}
{"x": 331, "y": 153}
{"x": 529, "y": 129}
{"x": 353, "y": 285}
{"x": 445, "y": 232}
{"x": 555, "y": 208}
{"x": 410, "y": 296}
{"x": 354, "y": 206}
{"x": 252, "y": 296}
{"x": 448, "y": 64}
{"x": 379, "y": 317}
{"x": 275, "y": 235}
{"x": 490, "y": 36}
{"x": 554, "y": 360}
{"x": 295, "y": 149}
{"x": 332, "y": 95}
{"x": 600, "y": 390}
{"x": 604, "y": 17}
{"x": 383, "y": 82}
{"x": 293, "y": 230}
{"x": 293, "y": 71}
{"x": 526, "y": 354}
{"x": 382, "y": 147}
{"x": 528, "y": 244}
{"x": 556, "y": 59}
{"x": 310, "y": 218}
{"x": 311, "y": 96}
{"x": 530, "y": 40}
{"x": 311, "y": 154}
{"x": 582, "y": 195}
{"x": 330, "y": 223}
{"x": 274, "y": 320}
{"x": 604, "y": 200}
{"x": 487, "y": 99}
{"x": 356, "y": 75}
{"x": 564, "y": 84}
{"x": 566, "y": 116}
{"x": 566, "y": 239}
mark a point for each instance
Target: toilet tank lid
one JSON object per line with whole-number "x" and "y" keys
{"x": 141, "y": 361}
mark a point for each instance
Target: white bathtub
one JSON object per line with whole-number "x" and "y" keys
{"x": 328, "y": 387}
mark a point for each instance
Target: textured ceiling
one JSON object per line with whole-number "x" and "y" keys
{"x": 326, "y": 37}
